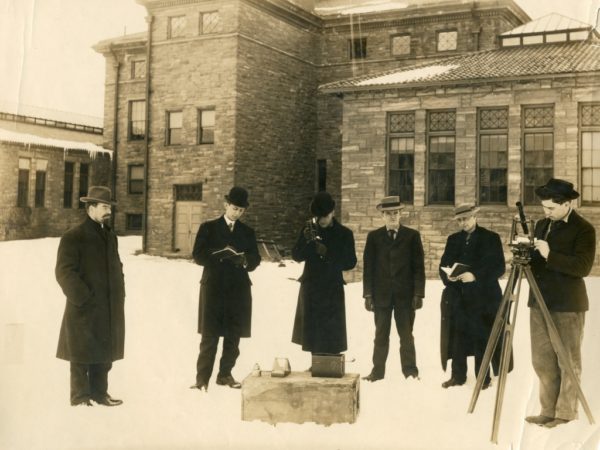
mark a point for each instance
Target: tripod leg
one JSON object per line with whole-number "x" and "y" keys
{"x": 499, "y": 324}
{"x": 505, "y": 356}
{"x": 563, "y": 357}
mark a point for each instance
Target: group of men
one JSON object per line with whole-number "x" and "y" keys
{"x": 90, "y": 274}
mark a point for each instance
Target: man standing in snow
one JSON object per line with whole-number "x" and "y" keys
{"x": 565, "y": 250}
{"x": 227, "y": 249}
{"x": 471, "y": 299}
{"x": 393, "y": 281}
{"x": 90, "y": 273}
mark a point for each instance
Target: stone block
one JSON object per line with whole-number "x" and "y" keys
{"x": 300, "y": 398}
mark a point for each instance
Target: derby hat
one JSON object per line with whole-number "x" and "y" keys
{"x": 322, "y": 204}
{"x": 390, "y": 203}
{"x": 557, "y": 188}
{"x": 465, "y": 210}
{"x": 98, "y": 194}
{"x": 238, "y": 196}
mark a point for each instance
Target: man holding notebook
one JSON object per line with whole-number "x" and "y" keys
{"x": 227, "y": 249}
{"x": 472, "y": 262}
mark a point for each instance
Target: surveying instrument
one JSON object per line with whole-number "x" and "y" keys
{"x": 522, "y": 248}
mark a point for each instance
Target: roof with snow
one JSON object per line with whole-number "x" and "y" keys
{"x": 501, "y": 64}
{"x": 31, "y": 139}
{"x": 552, "y": 22}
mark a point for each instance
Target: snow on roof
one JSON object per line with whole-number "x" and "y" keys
{"x": 368, "y": 7}
{"x": 548, "y": 23}
{"x": 31, "y": 139}
{"x": 408, "y": 76}
{"x": 21, "y": 109}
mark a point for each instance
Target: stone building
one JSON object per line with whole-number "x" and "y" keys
{"x": 486, "y": 127}
{"x": 225, "y": 92}
{"x": 47, "y": 161}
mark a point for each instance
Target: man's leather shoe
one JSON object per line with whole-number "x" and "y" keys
{"x": 228, "y": 381}
{"x": 486, "y": 384}
{"x": 452, "y": 382}
{"x": 200, "y": 386}
{"x": 372, "y": 377}
{"x": 82, "y": 403}
{"x": 555, "y": 422}
{"x": 107, "y": 400}
{"x": 538, "y": 420}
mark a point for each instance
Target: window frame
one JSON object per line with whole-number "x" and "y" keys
{"x": 401, "y": 35}
{"x": 201, "y": 24}
{"x": 69, "y": 181}
{"x": 83, "y": 186}
{"x": 391, "y": 136}
{"x": 592, "y": 128}
{"x": 41, "y": 175}
{"x": 135, "y": 63}
{"x": 352, "y": 54}
{"x": 201, "y": 128}
{"x": 170, "y": 27}
{"x": 434, "y": 134}
{"x": 498, "y": 131}
{"x": 23, "y": 182}
{"x": 130, "y": 121}
{"x": 437, "y": 40}
{"x": 130, "y": 217}
{"x": 169, "y": 129}
{"x": 131, "y": 180}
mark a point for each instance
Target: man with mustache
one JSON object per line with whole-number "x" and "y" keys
{"x": 90, "y": 273}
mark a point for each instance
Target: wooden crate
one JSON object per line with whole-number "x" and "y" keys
{"x": 300, "y": 398}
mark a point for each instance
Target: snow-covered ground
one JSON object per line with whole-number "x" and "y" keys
{"x": 161, "y": 412}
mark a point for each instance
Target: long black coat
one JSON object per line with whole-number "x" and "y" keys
{"x": 572, "y": 252}
{"x": 320, "y": 321}
{"x": 485, "y": 256}
{"x": 90, "y": 273}
{"x": 225, "y": 306}
{"x": 393, "y": 269}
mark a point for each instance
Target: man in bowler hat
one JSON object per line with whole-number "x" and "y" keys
{"x": 227, "y": 249}
{"x": 393, "y": 282}
{"x": 90, "y": 273}
{"x": 565, "y": 248}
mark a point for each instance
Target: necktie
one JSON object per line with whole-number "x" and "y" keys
{"x": 392, "y": 234}
{"x": 550, "y": 225}
{"x": 231, "y": 227}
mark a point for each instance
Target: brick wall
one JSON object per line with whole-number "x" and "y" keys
{"x": 364, "y": 170}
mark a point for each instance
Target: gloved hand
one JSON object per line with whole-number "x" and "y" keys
{"x": 417, "y": 302}
{"x": 369, "y": 306}
{"x": 239, "y": 260}
{"x": 307, "y": 234}
{"x": 321, "y": 248}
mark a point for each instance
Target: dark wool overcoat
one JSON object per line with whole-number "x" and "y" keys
{"x": 320, "y": 321}
{"x": 90, "y": 273}
{"x": 572, "y": 252}
{"x": 225, "y": 306}
{"x": 478, "y": 300}
{"x": 393, "y": 269}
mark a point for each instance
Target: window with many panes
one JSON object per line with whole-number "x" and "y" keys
{"x": 357, "y": 48}
{"x": 206, "y": 126}
{"x": 188, "y": 192}
{"x": 174, "y": 127}
{"x": 138, "y": 69}
{"x": 41, "y": 165}
{"x": 137, "y": 120}
{"x": 68, "y": 188}
{"x": 401, "y": 155}
{"x": 441, "y": 150}
{"x": 176, "y": 27}
{"x": 492, "y": 129}
{"x": 401, "y": 45}
{"x": 209, "y": 22}
{"x": 589, "y": 123}
{"x": 135, "y": 178}
{"x": 23, "y": 182}
{"x": 84, "y": 181}
{"x": 447, "y": 41}
{"x": 538, "y": 149}
{"x": 133, "y": 222}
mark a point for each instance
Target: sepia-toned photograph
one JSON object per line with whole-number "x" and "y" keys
{"x": 299, "y": 224}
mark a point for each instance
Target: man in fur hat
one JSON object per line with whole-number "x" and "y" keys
{"x": 90, "y": 273}
{"x": 565, "y": 248}
{"x": 393, "y": 282}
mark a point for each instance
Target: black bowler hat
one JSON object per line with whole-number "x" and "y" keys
{"x": 238, "y": 196}
{"x": 322, "y": 204}
{"x": 557, "y": 188}
{"x": 98, "y": 194}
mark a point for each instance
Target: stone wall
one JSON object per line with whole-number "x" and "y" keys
{"x": 364, "y": 169}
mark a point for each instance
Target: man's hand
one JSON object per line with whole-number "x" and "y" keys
{"x": 307, "y": 234}
{"x": 466, "y": 277}
{"x": 321, "y": 248}
{"x": 417, "y": 302}
{"x": 369, "y": 306}
{"x": 542, "y": 247}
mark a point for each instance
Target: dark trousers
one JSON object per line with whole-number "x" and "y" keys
{"x": 208, "y": 352}
{"x": 404, "y": 316}
{"x": 470, "y": 331}
{"x": 89, "y": 381}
